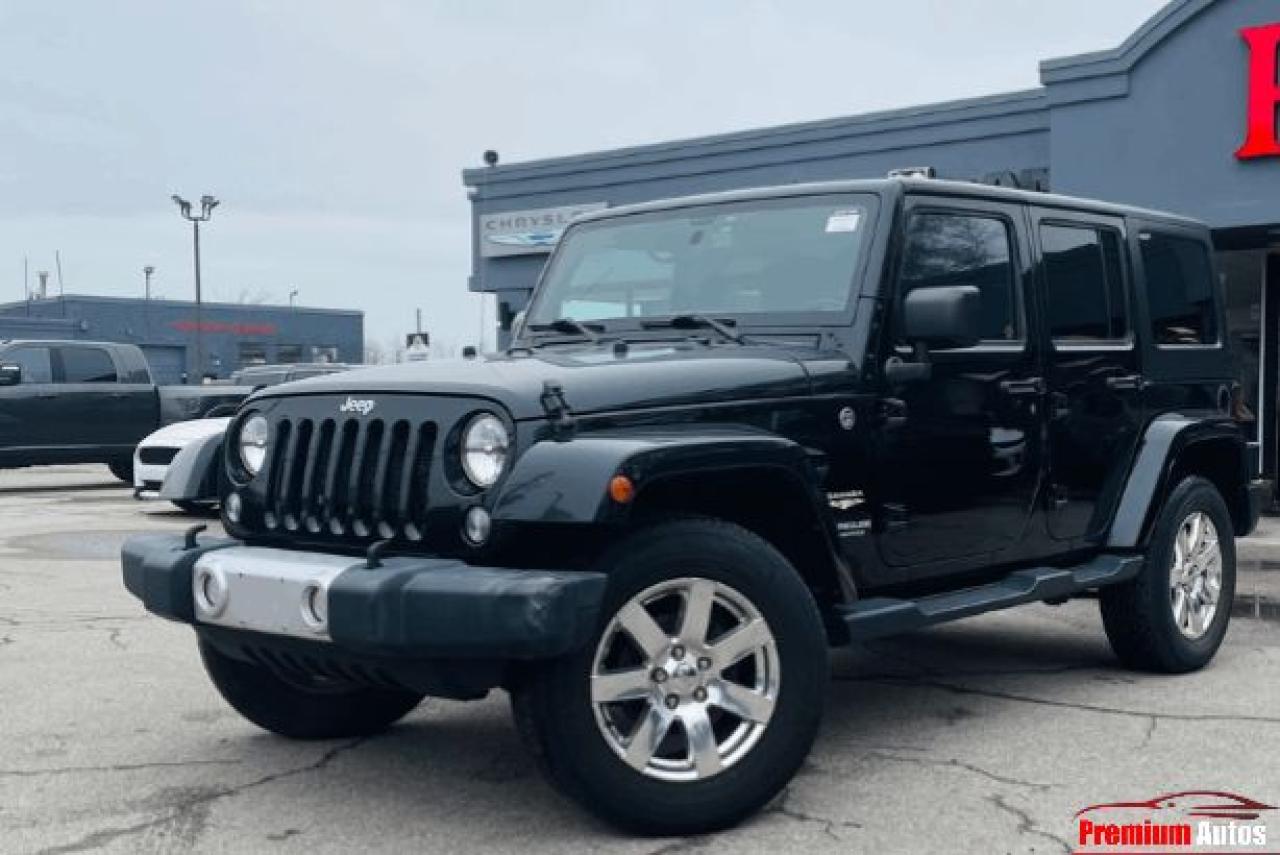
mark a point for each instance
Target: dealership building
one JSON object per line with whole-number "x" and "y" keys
{"x": 231, "y": 335}
{"x": 1181, "y": 117}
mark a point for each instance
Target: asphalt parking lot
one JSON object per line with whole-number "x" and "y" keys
{"x": 984, "y": 736}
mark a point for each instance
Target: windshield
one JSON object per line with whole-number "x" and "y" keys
{"x": 757, "y": 257}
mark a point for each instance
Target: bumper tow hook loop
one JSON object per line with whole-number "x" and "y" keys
{"x": 189, "y": 539}
{"x": 373, "y": 556}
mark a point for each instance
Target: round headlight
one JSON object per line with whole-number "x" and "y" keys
{"x": 485, "y": 443}
{"x": 255, "y": 436}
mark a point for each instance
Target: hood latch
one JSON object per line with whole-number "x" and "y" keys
{"x": 557, "y": 408}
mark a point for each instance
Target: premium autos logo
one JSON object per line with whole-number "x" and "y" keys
{"x": 1193, "y": 821}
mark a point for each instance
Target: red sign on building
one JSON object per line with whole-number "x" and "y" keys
{"x": 223, "y": 327}
{"x": 1264, "y": 92}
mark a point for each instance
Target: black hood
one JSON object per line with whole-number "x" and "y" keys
{"x": 595, "y": 378}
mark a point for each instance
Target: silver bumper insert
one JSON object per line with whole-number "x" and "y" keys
{"x": 276, "y": 591}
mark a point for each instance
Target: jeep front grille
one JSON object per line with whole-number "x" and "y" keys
{"x": 346, "y": 478}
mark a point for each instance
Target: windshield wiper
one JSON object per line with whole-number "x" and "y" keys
{"x": 569, "y": 325}
{"x": 694, "y": 322}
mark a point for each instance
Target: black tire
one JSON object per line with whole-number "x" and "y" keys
{"x": 555, "y": 715}
{"x": 1138, "y": 615}
{"x": 122, "y": 469}
{"x": 299, "y": 713}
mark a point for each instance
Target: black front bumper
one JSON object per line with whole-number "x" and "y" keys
{"x": 410, "y": 608}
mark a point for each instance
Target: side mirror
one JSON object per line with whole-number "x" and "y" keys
{"x": 947, "y": 316}
{"x": 10, "y": 375}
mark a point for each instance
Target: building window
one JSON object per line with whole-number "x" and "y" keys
{"x": 1179, "y": 289}
{"x": 1084, "y": 284}
{"x": 963, "y": 249}
{"x": 252, "y": 353}
{"x": 289, "y": 354}
{"x": 34, "y": 362}
{"x": 324, "y": 353}
{"x": 87, "y": 365}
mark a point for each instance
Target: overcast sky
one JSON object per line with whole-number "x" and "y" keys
{"x": 335, "y": 132}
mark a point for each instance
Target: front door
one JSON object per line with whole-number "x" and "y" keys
{"x": 28, "y": 411}
{"x": 1092, "y": 366}
{"x": 958, "y": 454}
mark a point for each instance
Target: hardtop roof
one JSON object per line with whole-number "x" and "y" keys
{"x": 894, "y": 188}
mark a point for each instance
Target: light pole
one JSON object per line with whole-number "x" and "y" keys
{"x": 207, "y": 204}
{"x": 292, "y": 294}
{"x": 146, "y": 272}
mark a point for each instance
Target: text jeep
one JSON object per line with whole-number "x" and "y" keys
{"x": 731, "y": 431}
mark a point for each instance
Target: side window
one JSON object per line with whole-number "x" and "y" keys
{"x": 1180, "y": 290}
{"x": 965, "y": 249}
{"x": 87, "y": 365}
{"x": 35, "y": 363}
{"x": 1084, "y": 284}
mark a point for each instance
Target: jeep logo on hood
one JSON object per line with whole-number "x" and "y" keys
{"x": 363, "y": 406}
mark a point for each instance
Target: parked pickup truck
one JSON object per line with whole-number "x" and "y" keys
{"x": 89, "y": 402}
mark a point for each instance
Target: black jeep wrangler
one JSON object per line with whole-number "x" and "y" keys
{"x": 734, "y": 430}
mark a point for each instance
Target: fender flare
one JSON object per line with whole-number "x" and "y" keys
{"x": 567, "y": 481}
{"x": 1165, "y": 438}
{"x": 193, "y": 474}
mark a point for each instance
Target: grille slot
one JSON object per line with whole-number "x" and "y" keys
{"x": 349, "y": 477}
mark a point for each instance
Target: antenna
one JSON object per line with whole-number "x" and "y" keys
{"x": 57, "y": 258}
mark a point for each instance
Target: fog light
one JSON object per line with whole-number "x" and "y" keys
{"x": 476, "y": 525}
{"x": 234, "y": 507}
{"x": 315, "y": 608}
{"x": 210, "y": 591}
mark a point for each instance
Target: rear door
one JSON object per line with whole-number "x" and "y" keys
{"x": 1093, "y": 367}
{"x": 96, "y": 409}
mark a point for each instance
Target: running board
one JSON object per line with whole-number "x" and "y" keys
{"x": 880, "y": 616}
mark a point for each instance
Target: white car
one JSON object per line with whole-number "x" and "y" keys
{"x": 153, "y": 455}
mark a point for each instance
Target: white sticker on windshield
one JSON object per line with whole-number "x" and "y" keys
{"x": 844, "y": 221}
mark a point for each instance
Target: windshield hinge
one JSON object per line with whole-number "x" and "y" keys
{"x": 556, "y": 407}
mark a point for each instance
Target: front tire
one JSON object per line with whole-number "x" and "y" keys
{"x": 318, "y": 710}
{"x": 1172, "y": 618}
{"x": 701, "y": 691}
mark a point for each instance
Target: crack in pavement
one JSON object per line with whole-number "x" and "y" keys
{"x": 1083, "y": 707}
{"x": 115, "y": 767}
{"x": 1026, "y": 825}
{"x": 184, "y": 807}
{"x": 955, "y": 763}
{"x": 781, "y": 808}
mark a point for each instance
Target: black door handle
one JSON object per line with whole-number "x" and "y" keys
{"x": 1125, "y": 382}
{"x": 1029, "y": 386}
{"x": 891, "y": 412}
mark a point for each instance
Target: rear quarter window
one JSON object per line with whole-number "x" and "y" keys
{"x": 1180, "y": 289}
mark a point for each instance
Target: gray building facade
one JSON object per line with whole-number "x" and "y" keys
{"x": 1182, "y": 117}
{"x": 233, "y": 335}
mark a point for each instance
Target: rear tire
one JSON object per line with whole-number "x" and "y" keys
{"x": 705, "y": 767}
{"x": 122, "y": 469}
{"x": 1147, "y": 629}
{"x": 321, "y": 711}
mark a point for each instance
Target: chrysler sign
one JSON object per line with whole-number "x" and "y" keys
{"x": 1264, "y": 92}
{"x": 527, "y": 232}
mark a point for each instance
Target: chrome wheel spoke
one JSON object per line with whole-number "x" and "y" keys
{"x": 647, "y": 736}
{"x": 1195, "y": 577}
{"x": 681, "y": 680}
{"x": 697, "y": 611}
{"x": 745, "y": 639}
{"x": 741, "y": 701}
{"x": 617, "y": 686}
{"x": 1180, "y": 606}
{"x": 643, "y": 629}
{"x": 703, "y": 750}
